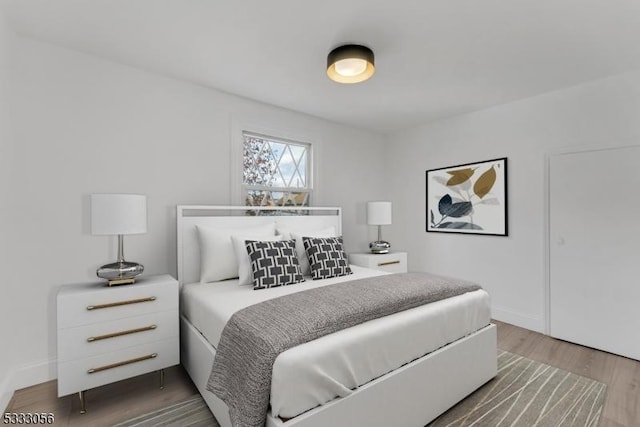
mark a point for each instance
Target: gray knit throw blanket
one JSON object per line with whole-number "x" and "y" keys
{"x": 256, "y": 335}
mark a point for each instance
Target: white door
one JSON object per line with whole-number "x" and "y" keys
{"x": 595, "y": 249}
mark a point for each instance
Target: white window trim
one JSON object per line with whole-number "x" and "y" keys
{"x": 236, "y": 139}
{"x": 308, "y": 189}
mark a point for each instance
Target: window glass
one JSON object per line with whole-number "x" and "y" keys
{"x": 275, "y": 171}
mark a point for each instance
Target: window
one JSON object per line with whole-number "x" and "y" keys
{"x": 276, "y": 172}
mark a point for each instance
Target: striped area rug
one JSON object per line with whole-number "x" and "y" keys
{"x": 525, "y": 393}
{"x": 193, "y": 412}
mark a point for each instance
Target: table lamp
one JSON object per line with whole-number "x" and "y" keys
{"x": 379, "y": 213}
{"x": 119, "y": 214}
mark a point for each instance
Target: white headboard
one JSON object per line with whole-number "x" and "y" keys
{"x": 237, "y": 217}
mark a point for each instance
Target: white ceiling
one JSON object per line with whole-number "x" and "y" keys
{"x": 434, "y": 58}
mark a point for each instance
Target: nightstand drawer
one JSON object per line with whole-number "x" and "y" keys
{"x": 395, "y": 262}
{"x": 101, "y": 338}
{"x": 107, "y": 334}
{"x": 83, "y": 374}
{"x": 97, "y": 303}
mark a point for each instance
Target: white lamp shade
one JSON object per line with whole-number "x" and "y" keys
{"x": 118, "y": 214}
{"x": 378, "y": 213}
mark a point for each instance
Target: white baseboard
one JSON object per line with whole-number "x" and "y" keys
{"x": 35, "y": 373}
{"x": 519, "y": 319}
{"x": 26, "y": 376}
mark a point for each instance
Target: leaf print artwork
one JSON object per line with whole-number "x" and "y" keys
{"x": 469, "y": 198}
{"x": 490, "y": 201}
{"x": 459, "y": 176}
{"x": 484, "y": 184}
{"x": 448, "y": 209}
{"x": 460, "y": 226}
{"x": 458, "y": 210}
{"x": 444, "y": 204}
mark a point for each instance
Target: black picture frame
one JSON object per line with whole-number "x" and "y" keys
{"x": 470, "y": 198}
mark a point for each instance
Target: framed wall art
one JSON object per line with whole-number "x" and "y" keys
{"x": 469, "y": 198}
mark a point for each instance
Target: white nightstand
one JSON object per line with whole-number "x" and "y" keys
{"x": 107, "y": 334}
{"x": 393, "y": 262}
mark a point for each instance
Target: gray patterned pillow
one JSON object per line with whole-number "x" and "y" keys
{"x": 274, "y": 264}
{"x": 326, "y": 257}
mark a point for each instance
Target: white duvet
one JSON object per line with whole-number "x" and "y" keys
{"x": 319, "y": 371}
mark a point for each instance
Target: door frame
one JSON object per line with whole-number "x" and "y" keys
{"x": 547, "y": 217}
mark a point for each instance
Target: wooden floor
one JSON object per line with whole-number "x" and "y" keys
{"x": 621, "y": 375}
{"x": 123, "y": 400}
{"x": 109, "y": 404}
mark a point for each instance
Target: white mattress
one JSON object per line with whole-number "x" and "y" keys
{"x": 319, "y": 371}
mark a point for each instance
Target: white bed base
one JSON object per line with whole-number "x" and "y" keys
{"x": 410, "y": 396}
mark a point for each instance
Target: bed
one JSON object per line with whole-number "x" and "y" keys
{"x": 404, "y": 369}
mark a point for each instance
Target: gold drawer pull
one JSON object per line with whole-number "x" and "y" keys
{"x": 121, "y": 333}
{"x": 119, "y": 303}
{"x": 381, "y": 264}
{"x": 126, "y": 362}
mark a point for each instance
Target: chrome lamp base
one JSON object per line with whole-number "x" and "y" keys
{"x": 379, "y": 247}
{"x": 120, "y": 273}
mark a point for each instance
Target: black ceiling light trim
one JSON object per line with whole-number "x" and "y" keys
{"x": 351, "y": 63}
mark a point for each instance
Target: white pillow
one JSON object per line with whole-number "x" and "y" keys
{"x": 217, "y": 258}
{"x": 298, "y": 235}
{"x": 242, "y": 256}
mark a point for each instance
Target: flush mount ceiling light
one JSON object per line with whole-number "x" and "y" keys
{"x": 350, "y": 63}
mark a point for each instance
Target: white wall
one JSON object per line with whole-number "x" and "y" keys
{"x": 599, "y": 114}
{"x": 7, "y": 40}
{"x": 85, "y": 125}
